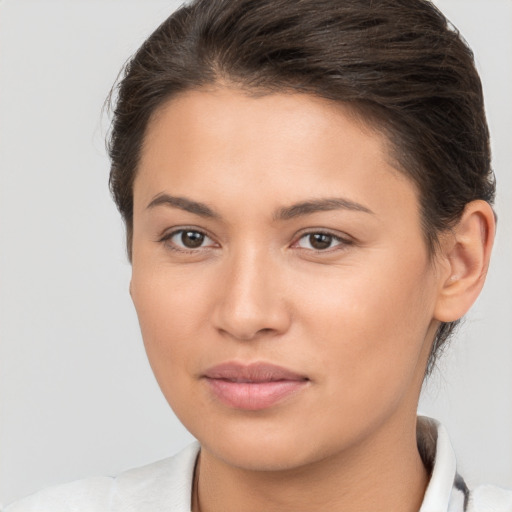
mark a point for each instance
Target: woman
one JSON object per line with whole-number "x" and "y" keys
{"x": 307, "y": 193}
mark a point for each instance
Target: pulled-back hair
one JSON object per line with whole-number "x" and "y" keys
{"x": 398, "y": 64}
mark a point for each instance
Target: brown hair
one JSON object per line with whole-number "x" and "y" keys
{"x": 398, "y": 63}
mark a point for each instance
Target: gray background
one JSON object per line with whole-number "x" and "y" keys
{"x": 77, "y": 397}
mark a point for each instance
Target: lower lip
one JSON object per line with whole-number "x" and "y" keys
{"x": 254, "y": 396}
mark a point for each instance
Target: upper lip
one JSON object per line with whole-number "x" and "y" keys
{"x": 253, "y": 372}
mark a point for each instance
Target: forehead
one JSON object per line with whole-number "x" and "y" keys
{"x": 227, "y": 142}
{"x": 281, "y": 115}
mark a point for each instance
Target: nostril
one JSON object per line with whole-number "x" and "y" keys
{"x": 246, "y": 308}
{"x": 249, "y": 336}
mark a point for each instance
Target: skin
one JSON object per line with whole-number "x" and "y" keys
{"x": 357, "y": 319}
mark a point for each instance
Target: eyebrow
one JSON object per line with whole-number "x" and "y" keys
{"x": 285, "y": 213}
{"x": 183, "y": 203}
{"x": 319, "y": 205}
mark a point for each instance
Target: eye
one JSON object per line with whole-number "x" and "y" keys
{"x": 187, "y": 239}
{"x": 320, "y": 241}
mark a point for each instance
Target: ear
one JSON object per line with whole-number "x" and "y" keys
{"x": 465, "y": 254}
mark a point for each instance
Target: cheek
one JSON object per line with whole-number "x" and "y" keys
{"x": 371, "y": 325}
{"x": 171, "y": 312}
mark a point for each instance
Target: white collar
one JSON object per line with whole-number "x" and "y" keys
{"x": 167, "y": 484}
{"x": 435, "y": 444}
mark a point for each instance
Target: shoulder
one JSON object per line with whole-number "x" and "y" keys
{"x": 88, "y": 494}
{"x": 162, "y": 485}
{"x": 447, "y": 491}
{"x": 488, "y": 498}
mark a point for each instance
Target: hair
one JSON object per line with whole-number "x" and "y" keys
{"x": 398, "y": 64}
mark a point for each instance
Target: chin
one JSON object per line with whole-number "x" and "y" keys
{"x": 259, "y": 444}
{"x": 260, "y": 455}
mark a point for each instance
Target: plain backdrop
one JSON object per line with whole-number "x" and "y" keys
{"x": 77, "y": 396}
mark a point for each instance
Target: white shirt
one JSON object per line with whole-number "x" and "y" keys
{"x": 166, "y": 485}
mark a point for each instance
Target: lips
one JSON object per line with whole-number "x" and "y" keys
{"x": 253, "y": 387}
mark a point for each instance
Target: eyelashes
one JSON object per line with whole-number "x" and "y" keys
{"x": 319, "y": 241}
{"x": 193, "y": 241}
{"x": 188, "y": 239}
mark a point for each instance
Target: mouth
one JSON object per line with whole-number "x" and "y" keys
{"x": 253, "y": 387}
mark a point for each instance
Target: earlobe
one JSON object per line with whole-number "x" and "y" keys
{"x": 466, "y": 251}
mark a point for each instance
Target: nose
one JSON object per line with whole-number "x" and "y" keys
{"x": 251, "y": 298}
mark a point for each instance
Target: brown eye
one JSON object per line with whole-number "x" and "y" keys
{"x": 192, "y": 239}
{"x": 320, "y": 241}
{"x": 188, "y": 239}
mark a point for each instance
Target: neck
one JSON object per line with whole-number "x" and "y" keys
{"x": 384, "y": 473}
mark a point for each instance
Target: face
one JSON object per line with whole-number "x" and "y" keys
{"x": 280, "y": 275}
